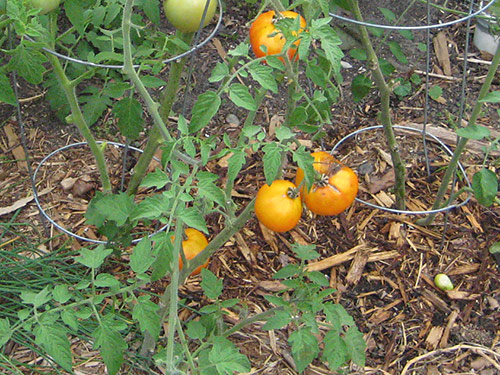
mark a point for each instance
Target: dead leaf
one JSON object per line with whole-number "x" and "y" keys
{"x": 81, "y": 188}
{"x": 382, "y": 183}
{"x": 68, "y": 183}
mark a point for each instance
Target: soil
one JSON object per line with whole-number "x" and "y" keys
{"x": 410, "y": 326}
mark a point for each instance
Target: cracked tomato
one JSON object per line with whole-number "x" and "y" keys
{"x": 335, "y": 189}
{"x": 263, "y": 32}
{"x": 278, "y": 206}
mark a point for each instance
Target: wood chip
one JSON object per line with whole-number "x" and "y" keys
{"x": 357, "y": 267}
{"x": 22, "y": 202}
{"x": 442, "y": 54}
{"x": 433, "y": 338}
{"x": 17, "y": 149}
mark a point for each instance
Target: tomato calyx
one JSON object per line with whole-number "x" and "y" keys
{"x": 292, "y": 193}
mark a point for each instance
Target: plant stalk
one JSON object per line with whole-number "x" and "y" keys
{"x": 385, "y": 114}
{"x": 462, "y": 142}
{"x": 81, "y": 124}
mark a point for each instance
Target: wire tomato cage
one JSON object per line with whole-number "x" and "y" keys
{"x": 191, "y": 52}
{"x": 475, "y": 9}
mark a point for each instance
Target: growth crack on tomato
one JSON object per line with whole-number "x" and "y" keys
{"x": 278, "y": 206}
{"x": 263, "y": 32}
{"x": 335, "y": 189}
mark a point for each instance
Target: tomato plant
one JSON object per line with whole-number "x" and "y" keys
{"x": 46, "y": 6}
{"x": 185, "y": 15}
{"x": 278, "y": 206}
{"x": 194, "y": 244}
{"x": 335, "y": 189}
{"x": 263, "y": 33}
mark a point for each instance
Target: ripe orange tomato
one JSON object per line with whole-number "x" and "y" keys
{"x": 336, "y": 188}
{"x": 278, "y": 206}
{"x": 264, "y": 33}
{"x": 192, "y": 246}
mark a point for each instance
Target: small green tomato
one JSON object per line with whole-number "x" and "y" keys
{"x": 46, "y": 6}
{"x": 185, "y": 15}
{"x": 443, "y": 282}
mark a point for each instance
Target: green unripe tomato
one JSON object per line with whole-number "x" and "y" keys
{"x": 185, "y": 15}
{"x": 46, "y": 6}
{"x": 443, "y": 282}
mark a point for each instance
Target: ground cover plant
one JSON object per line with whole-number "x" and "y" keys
{"x": 132, "y": 324}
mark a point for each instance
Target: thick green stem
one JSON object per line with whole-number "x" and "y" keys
{"x": 159, "y": 113}
{"x": 174, "y": 286}
{"x": 385, "y": 93}
{"x": 452, "y": 166}
{"x": 79, "y": 121}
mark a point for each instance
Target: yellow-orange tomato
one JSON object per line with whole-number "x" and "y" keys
{"x": 336, "y": 189}
{"x": 264, "y": 33}
{"x": 194, "y": 243}
{"x": 278, "y": 206}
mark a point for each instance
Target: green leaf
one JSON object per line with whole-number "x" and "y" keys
{"x": 358, "y": 54}
{"x": 7, "y": 94}
{"x": 288, "y": 271}
{"x": 129, "y": 114}
{"x": 204, "y": 109}
{"x": 495, "y": 248}
{"x": 192, "y": 218}
{"x": 74, "y": 11}
{"x": 305, "y": 252}
{"x": 220, "y": 71}
{"x": 111, "y": 345}
{"x": 116, "y": 89}
{"x": 318, "y": 278}
{"x": 305, "y": 347}
{"x": 93, "y": 258}
{"x": 163, "y": 249}
{"x": 338, "y": 316}
{"x": 196, "y": 330}
{"x": 280, "y": 319}
{"x": 28, "y": 63}
{"x": 491, "y": 97}
{"x": 485, "y": 186}
{"x": 69, "y": 318}
{"x": 53, "y": 339}
{"x": 157, "y": 179}
{"x": 235, "y": 163}
{"x": 182, "y": 125}
{"x": 5, "y": 331}
{"x": 304, "y": 160}
{"x": 36, "y": 299}
{"x": 272, "y": 161}
{"x": 208, "y": 190}
{"x": 265, "y": 76}
{"x": 388, "y": 14}
{"x": 404, "y": 89}
{"x": 240, "y": 96}
{"x": 152, "y": 10}
{"x": 146, "y": 313}
{"x": 61, "y": 293}
{"x": 355, "y": 346}
{"x": 386, "y": 67}
{"x": 142, "y": 258}
{"x": 95, "y": 105}
{"x": 152, "y": 207}
{"x": 152, "y": 82}
{"x": 298, "y": 116}
{"x": 360, "y": 87}
{"x": 105, "y": 280}
{"x": 335, "y": 350}
{"x": 317, "y": 75}
{"x": 114, "y": 207}
{"x": 226, "y": 357}
{"x": 407, "y": 34}
{"x": 397, "y": 51}
{"x": 278, "y": 301}
{"x": 55, "y": 96}
{"x": 476, "y": 132}
{"x": 211, "y": 285}
{"x": 435, "y": 92}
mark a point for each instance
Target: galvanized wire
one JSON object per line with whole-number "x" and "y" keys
{"x": 415, "y": 27}
{"x": 406, "y": 212}
{"x": 47, "y": 216}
